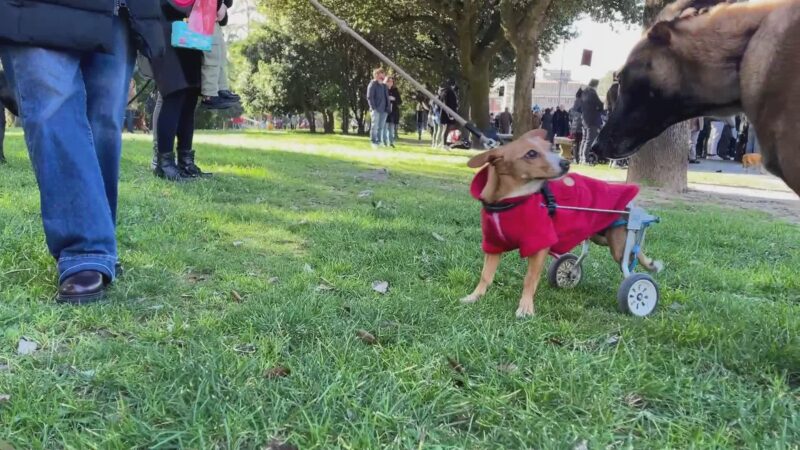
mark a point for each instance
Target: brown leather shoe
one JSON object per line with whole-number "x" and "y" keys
{"x": 82, "y": 288}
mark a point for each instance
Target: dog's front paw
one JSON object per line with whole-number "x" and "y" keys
{"x": 471, "y": 298}
{"x": 525, "y": 310}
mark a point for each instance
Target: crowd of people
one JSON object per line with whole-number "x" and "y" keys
{"x": 72, "y": 89}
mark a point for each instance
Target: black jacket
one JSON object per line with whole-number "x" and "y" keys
{"x": 394, "y": 114}
{"x": 80, "y": 25}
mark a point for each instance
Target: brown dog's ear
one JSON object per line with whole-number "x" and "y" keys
{"x": 660, "y": 33}
{"x": 540, "y": 133}
{"x": 484, "y": 158}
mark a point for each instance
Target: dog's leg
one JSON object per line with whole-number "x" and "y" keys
{"x": 616, "y": 241}
{"x": 535, "y": 267}
{"x": 490, "y": 263}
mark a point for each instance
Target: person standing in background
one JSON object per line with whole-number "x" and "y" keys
{"x": 504, "y": 121}
{"x": 378, "y": 99}
{"x": 448, "y": 96}
{"x": 547, "y": 123}
{"x": 423, "y": 108}
{"x": 591, "y": 110}
{"x": 695, "y": 125}
{"x": 393, "y": 119}
{"x": 215, "y": 89}
{"x": 71, "y": 83}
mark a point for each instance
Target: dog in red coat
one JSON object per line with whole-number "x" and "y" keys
{"x": 520, "y": 185}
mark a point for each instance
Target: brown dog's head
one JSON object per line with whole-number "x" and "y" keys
{"x": 685, "y": 66}
{"x": 527, "y": 160}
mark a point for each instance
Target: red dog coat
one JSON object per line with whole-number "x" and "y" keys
{"x": 529, "y": 227}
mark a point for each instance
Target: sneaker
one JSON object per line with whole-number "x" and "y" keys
{"x": 218, "y": 103}
{"x": 228, "y": 95}
{"x": 713, "y": 158}
{"x": 694, "y": 161}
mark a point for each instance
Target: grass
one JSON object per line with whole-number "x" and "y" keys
{"x": 175, "y": 360}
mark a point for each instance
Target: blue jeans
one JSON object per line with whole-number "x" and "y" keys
{"x": 378, "y": 126}
{"x": 389, "y": 136}
{"x": 72, "y": 106}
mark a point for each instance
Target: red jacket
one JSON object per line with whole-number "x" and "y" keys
{"x": 528, "y": 226}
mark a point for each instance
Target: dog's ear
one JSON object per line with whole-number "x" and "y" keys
{"x": 540, "y": 133}
{"x": 488, "y": 157}
{"x": 660, "y": 33}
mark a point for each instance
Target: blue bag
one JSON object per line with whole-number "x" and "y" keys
{"x": 183, "y": 37}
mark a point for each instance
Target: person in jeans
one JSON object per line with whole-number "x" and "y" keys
{"x": 71, "y": 84}
{"x": 393, "y": 119}
{"x": 378, "y": 99}
{"x": 694, "y": 125}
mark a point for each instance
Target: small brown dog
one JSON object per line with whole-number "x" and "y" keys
{"x": 752, "y": 161}
{"x": 522, "y": 185}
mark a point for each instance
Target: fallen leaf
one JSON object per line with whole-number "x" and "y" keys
{"x": 455, "y": 365}
{"x": 277, "y": 372}
{"x": 635, "y": 401}
{"x": 4, "y": 398}
{"x": 582, "y": 445}
{"x": 303, "y": 222}
{"x": 278, "y": 445}
{"x": 26, "y": 347}
{"x": 507, "y": 368}
{"x": 238, "y": 243}
{"x": 555, "y": 341}
{"x": 366, "y": 337}
{"x": 245, "y": 349}
{"x": 236, "y": 296}
{"x": 273, "y": 280}
{"x": 324, "y": 288}
{"x": 613, "y": 340}
{"x": 365, "y": 194}
{"x": 438, "y": 237}
{"x": 676, "y": 306}
{"x": 378, "y": 204}
{"x": 307, "y": 268}
{"x": 380, "y": 286}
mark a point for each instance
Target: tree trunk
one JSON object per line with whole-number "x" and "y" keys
{"x": 312, "y": 122}
{"x": 479, "y": 85}
{"x": 327, "y": 121}
{"x": 664, "y": 161}
{"x": 525, "y": 68}
{"x": 345, "y": 121}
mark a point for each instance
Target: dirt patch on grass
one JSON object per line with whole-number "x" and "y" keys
{"x": 780, "y": 205}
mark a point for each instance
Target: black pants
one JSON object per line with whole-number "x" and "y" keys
{"x": 173, "y": 117}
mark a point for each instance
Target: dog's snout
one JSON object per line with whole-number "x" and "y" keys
{"x": 564, "y": 164}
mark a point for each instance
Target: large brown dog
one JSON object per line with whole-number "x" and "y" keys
{"x": 697, "y": 61}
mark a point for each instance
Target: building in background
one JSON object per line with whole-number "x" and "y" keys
{"x": 553, "y": 87}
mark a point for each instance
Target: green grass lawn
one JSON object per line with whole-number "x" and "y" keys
{"x": 270, "y": 265}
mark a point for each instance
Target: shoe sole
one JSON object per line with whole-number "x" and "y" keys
{"x": 80, "y": 300}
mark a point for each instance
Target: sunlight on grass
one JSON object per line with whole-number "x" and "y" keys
{"x": 241, "y": 314}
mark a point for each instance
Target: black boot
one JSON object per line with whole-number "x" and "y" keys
{"x": 187, "y": 166}
{"x": 164, "y": 167}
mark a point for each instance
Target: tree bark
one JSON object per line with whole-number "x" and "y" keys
{"x": 312, "y": 123}
{"x": 664, "y": 161}
{"x": 479, "y": 85}
{"x": 345, "y": 121}
{"x": 523, "y": 89}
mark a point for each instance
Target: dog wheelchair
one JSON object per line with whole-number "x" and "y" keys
{"x": 638, "y": 294}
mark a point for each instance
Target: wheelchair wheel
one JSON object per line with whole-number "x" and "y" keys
{"x": 638, "y": 295}
{"x": 565, "y": 272}
{"x": 591, "y": 158}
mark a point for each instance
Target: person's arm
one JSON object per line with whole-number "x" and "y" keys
{"x": 371, "y": 95}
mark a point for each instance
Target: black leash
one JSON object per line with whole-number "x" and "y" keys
{"x": 550, "y": 200}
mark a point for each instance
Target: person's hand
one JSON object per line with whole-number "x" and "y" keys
{"x": 223, "y": 11}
